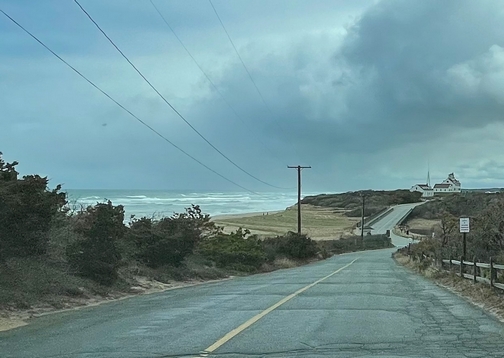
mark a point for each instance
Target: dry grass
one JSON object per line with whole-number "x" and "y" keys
{"x": 283, "y": 263}
{"x": 318, "y": 223}
{"x": 479, "y": 294}
{"x": 403, "y": 260}
{"x": 486, "y": 297}
{"x": 422, "y": 226}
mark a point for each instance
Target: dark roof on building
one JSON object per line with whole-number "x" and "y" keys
{"x": 442, "y": 185}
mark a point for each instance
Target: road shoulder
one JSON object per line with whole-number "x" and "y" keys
{"x": 10, "y": 319}
{"x": 480, "y": 295}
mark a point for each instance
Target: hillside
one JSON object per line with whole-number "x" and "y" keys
{"x": 467, "y": 204}
{"x": 426, "y": 219}
{"x": 376, "y": 200}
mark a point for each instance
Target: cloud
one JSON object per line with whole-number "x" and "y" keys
{"x": 481, "y": 77}
{"x": 366, "y": 93}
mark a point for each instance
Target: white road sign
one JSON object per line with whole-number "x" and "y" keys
{"x": 464, "y": 225}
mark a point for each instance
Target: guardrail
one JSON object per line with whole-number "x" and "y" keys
{"x": 376, "y": 216}
{"x": 404, "y": 217}
{"x": 379, "y": 217}
{"x": 476, "y": 270}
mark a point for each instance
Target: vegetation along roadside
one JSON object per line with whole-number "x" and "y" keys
{"x": 53, "y": 257}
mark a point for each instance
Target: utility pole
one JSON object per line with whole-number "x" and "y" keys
{"x": 362, "y": 215}
{"x": 299, "y": 167}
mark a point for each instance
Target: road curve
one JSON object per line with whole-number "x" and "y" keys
{"x": 352, "y": 305}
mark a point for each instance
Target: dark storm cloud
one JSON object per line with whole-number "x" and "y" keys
{"x": 406, "y": 72}
{"x": 367, "y": 93}
{"x": 393, "y": 76}
{"x": 405, "y": 52}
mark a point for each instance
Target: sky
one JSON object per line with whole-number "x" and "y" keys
{"x": 368, "y": 93}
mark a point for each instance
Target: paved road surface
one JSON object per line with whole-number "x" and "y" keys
{"x": 392, "y": 218}
{"x": 354, "y": 305}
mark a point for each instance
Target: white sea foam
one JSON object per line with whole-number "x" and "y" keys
{"x": 149, "y": 202}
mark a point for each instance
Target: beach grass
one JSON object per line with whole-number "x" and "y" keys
{"x": 318, "y": 223}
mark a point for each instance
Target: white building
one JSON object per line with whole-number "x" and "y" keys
{"x": 449, "y": 185}
{"x": 425, "y": 189}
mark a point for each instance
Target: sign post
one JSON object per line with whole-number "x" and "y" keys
{"x": 464, "y": 229}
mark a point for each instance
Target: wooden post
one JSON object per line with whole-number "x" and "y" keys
{"x": 464, "y": 244}
{"x": 461, "y": 266}
{"x": 475, "y": 269}
{"x": 362, "y": 218}
{"x": 450, "y": 267}
{"x": 491, "y": 273}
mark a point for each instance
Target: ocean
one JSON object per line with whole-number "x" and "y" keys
{"x": 164, "y": 202}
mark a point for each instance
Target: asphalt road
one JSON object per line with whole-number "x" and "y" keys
{"x": 354, "y": 305}
{"x": 392, "y": 218}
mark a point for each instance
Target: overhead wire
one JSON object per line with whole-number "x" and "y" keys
{"x": 214, "y": 87}
{"x": 243, "y": 63}
{"x": 276, "y": 122}
{"x": 196, "y": 62}
{"x": 169, "y": 104}
{"x": 122, "y": 107}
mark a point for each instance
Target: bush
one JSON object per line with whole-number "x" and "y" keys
{"x": 96, "y": 256}
{"x": 234, "y": 251}
{"x": 291, "y": 245}
{"x": 27, "y": 209}
{"x": 170, "y": 240}
{"x": 354, "y": 243}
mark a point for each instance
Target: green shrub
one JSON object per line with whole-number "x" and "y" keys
{"x": 234, "y": 251}
{"x": 291, "y": 245}
{"x": 27, "y": 209}
{"x": 170, "y": 240}
{"x": 96, "y": 256}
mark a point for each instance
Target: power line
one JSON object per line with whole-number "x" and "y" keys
{"x": 169, "y": 104}
{"x": 215, "y": 88}
{"x": 122, "y": 107}
{"x": 243, "y": 63}
{"x": 196, "y": 62}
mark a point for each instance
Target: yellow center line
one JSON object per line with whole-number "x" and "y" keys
{"x": 257, "y": 317}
